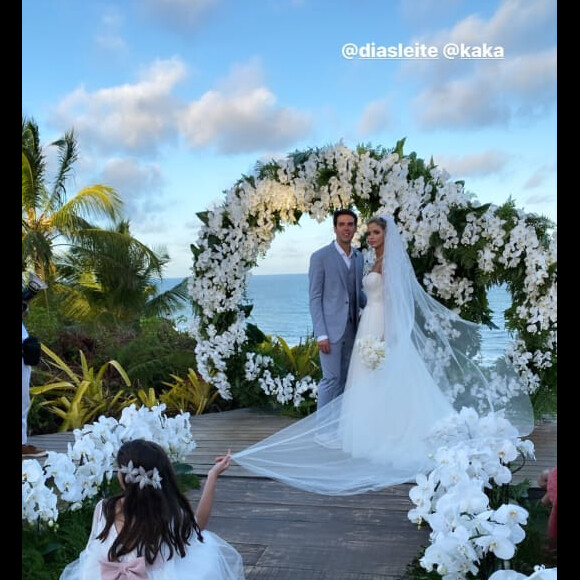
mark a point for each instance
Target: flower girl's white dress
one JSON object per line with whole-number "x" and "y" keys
{"x": 214, "y": 559}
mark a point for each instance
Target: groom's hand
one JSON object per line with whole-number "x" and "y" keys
{"x": 324, "y": 346}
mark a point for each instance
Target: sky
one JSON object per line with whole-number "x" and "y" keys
{"x": 172, "y": 101}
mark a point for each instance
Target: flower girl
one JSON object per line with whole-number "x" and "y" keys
{"x": 149, "y": 530}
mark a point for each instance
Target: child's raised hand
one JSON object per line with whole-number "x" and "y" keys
{"x": 222, "y": 463}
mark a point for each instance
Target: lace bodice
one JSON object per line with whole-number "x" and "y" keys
{"x": 371, "y": 322}
{"x": 372, "y": 285}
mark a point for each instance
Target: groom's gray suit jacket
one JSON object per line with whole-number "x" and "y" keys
{"x": 329, "y": 302}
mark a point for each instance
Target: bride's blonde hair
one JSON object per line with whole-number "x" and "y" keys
{"x": 380, "y": 221}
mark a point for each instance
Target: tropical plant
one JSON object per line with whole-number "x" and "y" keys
{"x": 50, "y": 216}
{"x": 148, "y": 354}
{"x": 79, "y": 399}
{"x": 154, "y": 352}
{"x": 189, "y": 394}
{"x": 47, "y": 550}
{"x": 148, "y": 397}
{"x": 113, "y": 279}
{"x": 99, "y": 275}
{"x": 301, "y": 359}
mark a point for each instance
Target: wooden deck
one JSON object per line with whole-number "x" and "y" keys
{"x": 287, "y": 534}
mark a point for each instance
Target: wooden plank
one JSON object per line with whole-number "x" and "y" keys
{"x": 313, "y": 536}
{"x": 214, "y": 433}
{"x": 288, "y": 534}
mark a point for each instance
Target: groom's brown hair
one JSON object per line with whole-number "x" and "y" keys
{"x": 343, "y": 212}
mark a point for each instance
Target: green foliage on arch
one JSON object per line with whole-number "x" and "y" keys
{"x": 459, "y": 248}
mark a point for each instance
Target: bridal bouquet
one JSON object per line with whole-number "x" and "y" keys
{"x": 372, "y": 351}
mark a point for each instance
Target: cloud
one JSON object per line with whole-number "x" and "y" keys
{"x": 520, "y": 26}
{"x": 492, "y": 163}
{"x": 460, "y": 104}
{"x": 109, "y": 39}
{"x": 181, "y": 16}
{"x": 495, "y": 94}
{"x": 374, "y": 118}
{"x": 465, "y": 94}
{"x": 540, "y": 176}
{"x": 531, "y": 75}
{"x": 540, "y": 199}
{"x": 478, "y": 165}
{"x": 242, "y": 116}
{"x": 140, "y": 184}
{"x": 133, "y": 118}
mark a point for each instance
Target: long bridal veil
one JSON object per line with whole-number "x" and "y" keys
{"x": 377, "y": 433}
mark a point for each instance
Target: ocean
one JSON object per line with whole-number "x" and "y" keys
{"x": 280, "y": 308}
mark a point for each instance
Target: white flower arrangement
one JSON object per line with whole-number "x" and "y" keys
{"x": 65, "y": 480}
{"x": 540, "y": 573}
{"x": 237, "y": 232}
{"x": 468, "y": 534}
{"x": 372, "y": 351}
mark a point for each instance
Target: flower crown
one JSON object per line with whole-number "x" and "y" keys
{"x": 141, "y": 476}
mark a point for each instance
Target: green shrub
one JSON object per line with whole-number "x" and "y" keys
{"x": 192, "y": 394}
{"x": 46, "y": 552}
{"x": 80, "y": 398}
{"x": 155, "y": 353}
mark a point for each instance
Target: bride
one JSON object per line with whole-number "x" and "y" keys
{"x": 413, "y": 364}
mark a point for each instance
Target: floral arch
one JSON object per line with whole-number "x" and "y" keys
{"x": 459, "y": 249}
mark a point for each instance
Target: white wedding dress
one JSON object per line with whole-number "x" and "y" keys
{"x": 380, "y": 420}
{"x": 377, "y": 433}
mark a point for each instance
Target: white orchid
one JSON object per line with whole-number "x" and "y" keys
{"x": 66, "y": 480}
{"x": 372, "y": 351}
{"x": 540, "y": 573}
{"x": 466, "y": 530}
{"x": 239, "y": 231}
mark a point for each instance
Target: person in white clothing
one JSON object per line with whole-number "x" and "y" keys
{"x": 149, "y": 531}
{"x": 414, "y": 363}
{"x": 30, "y": 357}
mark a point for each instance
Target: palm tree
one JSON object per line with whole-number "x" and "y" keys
{"x": 49, "y": 215}
{"x": 101, "y": 275}
{"x": 113, "y": 279}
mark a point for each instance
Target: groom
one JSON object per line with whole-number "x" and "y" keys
{"x": 336, "y": 295}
